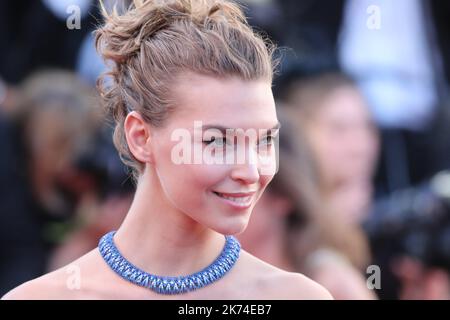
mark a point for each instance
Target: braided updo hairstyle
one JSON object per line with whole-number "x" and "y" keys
{"x": 153, "y": 42}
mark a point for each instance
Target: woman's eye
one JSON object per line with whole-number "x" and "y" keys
{"x": 217, "y": 141}
{"x": 267, "y": 140}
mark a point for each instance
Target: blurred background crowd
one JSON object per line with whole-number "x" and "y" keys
{"x": 361, "y": 201}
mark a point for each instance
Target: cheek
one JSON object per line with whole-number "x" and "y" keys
{"x": 319, "y": 139}
{"x": 324, "y": 151}
{"x": 264, "y": 181}
{"x": 374, "y": 146}
{"x": 188, "y": 185}
{"x": 206, "y": 177}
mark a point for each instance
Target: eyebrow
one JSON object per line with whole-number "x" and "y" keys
{"x": 223, "y": 129}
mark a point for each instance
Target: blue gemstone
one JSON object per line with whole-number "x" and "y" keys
{"x": 144, "y": 281}
{"x": 127, "y": 272}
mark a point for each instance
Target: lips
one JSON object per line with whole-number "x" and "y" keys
{"x": 241, "y": 200}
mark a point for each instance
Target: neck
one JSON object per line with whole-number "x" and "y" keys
{"x": 160, "y": 239}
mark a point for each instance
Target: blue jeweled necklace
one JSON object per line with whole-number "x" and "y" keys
{"x": 169, "y": 285}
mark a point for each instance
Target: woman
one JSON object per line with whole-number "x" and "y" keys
{"x": 53, "y": 118}
{"x": 343, "y": 139}
{"x": 290, "y": 229}
{"x": 178, "y": 67}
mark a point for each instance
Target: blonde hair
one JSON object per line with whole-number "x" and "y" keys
{"x": 154, "y": 42}
{"x": 309, "y": 226}
{"x": 305, "y": 96}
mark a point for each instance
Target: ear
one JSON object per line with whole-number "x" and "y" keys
{"x": 138, "y": 135}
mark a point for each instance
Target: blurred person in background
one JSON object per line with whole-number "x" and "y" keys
{"x": 57, "y": 120}
{"x": 370, "y": 42}
{"x": 22, "y": 254}
{"x": 107, "y": 212}
{"x": 398, "y": 53}
{"x": 343, "y": 139}
{"x": 8, "y": 96}
{"x": 409, "y": 234}
{"x": 103, "y": 216}
{"x": 51, "y": 129}
{"x": 42, "y": 34}
{"x": 289, "y": 228}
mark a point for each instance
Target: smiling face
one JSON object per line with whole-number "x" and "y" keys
{"x": 216, "y": 193}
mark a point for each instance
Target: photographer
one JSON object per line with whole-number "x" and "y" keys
{"x": 409, "y": 234}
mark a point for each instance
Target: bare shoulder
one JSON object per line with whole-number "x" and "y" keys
{"x": 296, "y": 286}
{"x": 61, "y": 284}
{"x": 46, "y": 287}
{"x": 274, "y": 283}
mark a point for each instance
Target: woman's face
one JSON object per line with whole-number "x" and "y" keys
{"x": 217, "y": 177}
{"x": 343, "y": 138}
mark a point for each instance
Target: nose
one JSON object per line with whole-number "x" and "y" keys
{"x": 246, "y": 170}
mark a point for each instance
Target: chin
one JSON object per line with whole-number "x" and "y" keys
{"x": 233, "y": 227}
